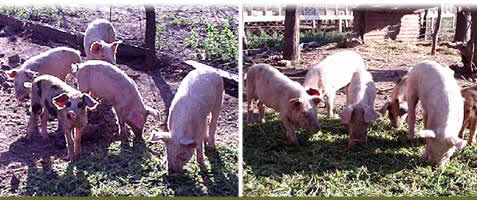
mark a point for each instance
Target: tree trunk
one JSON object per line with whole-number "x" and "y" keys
{"x": 462, "y": 26}
{"x": 359, "y": 23}
{"x": 291, "y": 49}
{"x": 150, "y": 36}
{"x": 468, "y": 55}
{"x": 435, "y": 35}
{"x": 423, "y": 31}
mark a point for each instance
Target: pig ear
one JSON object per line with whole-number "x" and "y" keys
{"x": 313, "y": 92}
{"x": 95, "y": 47}
{"x": 345, "y": 114}
{"x": 60, "y": 100}
{"x": 115, "y": 45}
{"x": 316, "y": 100}
{"x": 295, "y": 103}
{"x": 385, "y": 107}
{"x": 426, "y": 133}
{"x": 370, "y": 115}
{"x": 187, "y": 141}
{"x": 164, "y": 136}
{"x": 89, "y": 101}
{"x": 11, "y": 73}
{"x": 27, "y": 84}
{"x": 457, "y": 142}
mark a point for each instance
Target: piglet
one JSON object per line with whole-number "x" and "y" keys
{"x": 470, "y": 112}
{"x": 297, "y": 106}
{"x": 333, "y": 73}
{"x": 112, "y": 85}
{"x": 442, "y": 102}
{"x": 198, "y": 96}
{"x": 99, "y": 41}
{"x": 53, "y": 97}
{"x": 397, "y": 106}
{"x": 359, "y": 110}
{"x": 56, "y": 62}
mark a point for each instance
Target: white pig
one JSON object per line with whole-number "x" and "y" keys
{"x": 99, "y": 41}
{"x": 52, "y": 96}
{"x": 443, "y": 105}
{"x": 112, "y": 85}
{"x": 333, "y": 73}
{"x": 359, "y": 110}
{"x": 198, "y": 96}
{"x": 397, "y": 106}
{"x": 56, "y": 62}
{"x": 297, "y": 106}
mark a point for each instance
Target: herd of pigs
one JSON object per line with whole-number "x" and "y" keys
{"x": 446, "y": 108}
{"x": 192, "y": 116}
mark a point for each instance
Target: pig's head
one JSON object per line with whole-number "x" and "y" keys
{"x": 439, "y": 150}
{"x": 22, "y": 82}
{"x": 358, "y": 117}
{"x": 73, "y": 107}
{"x": 397, "y": 112}
{"x": 303, "y": 110}
{"x": 179, "y": 150}
{"x": 104, "y": 51}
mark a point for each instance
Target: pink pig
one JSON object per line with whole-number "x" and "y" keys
{"x": 99, "y": 41}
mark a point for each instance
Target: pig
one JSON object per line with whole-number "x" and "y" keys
{"x": 359, "y": 110}
{"x": 297, "y": 106}
{"x": 470, "y": 112}
{"x": 442, "y": 102}
{"x": 99, "y": 41}
{"x": 109, "y": 83}
{"x": 397, "y": 106}
{"x": 56, "y": 62}
{"x": 53, "y": 97}
{"x": 333, "y": 73}
{"x": 198, "y": 96}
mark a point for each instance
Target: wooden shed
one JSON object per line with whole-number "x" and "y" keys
{"x": 377, "y": 23}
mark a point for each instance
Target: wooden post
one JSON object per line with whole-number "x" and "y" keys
{"x": 462, "y": 26}
{"x": 150, "y": 42}
{"x": 468, "y": 57}
{"x": 291, "y": 49}
{"x": 435, "y": 35}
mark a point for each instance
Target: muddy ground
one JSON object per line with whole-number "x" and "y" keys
{"x": 157, "y": 88}
{"x": 387, "y": 61}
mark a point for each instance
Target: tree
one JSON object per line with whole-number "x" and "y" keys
{"x": 468, "y": 55}
{"x": 462, "y": 26}
{"x": 291, "y": 49}
{"x": 435, "y": 35}
{"x": 150, "y": 41}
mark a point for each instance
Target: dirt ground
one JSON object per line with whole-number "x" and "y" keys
{"x": 387, "y": 61}
{"x": 157, "y": 88}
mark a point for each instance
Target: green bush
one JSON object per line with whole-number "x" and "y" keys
{"x": 219, "y": 43}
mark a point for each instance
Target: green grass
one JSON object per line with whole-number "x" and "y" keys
{"x": 135, "y": 169}
{"x": 389, "y": 165}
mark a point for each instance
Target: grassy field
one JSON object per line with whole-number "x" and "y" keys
{"x": 389, "y": 165}
{"x": 133, "y": 170}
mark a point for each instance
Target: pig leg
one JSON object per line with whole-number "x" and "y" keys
{"x": 261, "y": 112}
{"x": 473, "y": 126}
{"x": 249, "y": 108}
{"x": 329, "y": 104}
{"x": 32, "y": 126}
{"x": 464, "y": 126}
{"x": 200, "y": 154}
{"x": 59, "y": 130}
{"x": 77, "y": 142}
{"x": 212, "y": 129}
{"x": 43, "y": 123}
{"x": 69, "y": 142}
{"x": 411, "y": 116}
{"x": 290, "y": 130}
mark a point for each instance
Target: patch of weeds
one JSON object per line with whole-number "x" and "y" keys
{"x": 219, "y": 43}
{"x": 389, "y": 165}
{"x": 180, "y": 22}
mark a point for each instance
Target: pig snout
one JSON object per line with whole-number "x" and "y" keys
{"x": 71, "y": 114}
{"x": 315, "y": 127}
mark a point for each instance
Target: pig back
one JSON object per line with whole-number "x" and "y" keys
{"x": 334, "y": 72}
{"x": 108, "y": 82}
